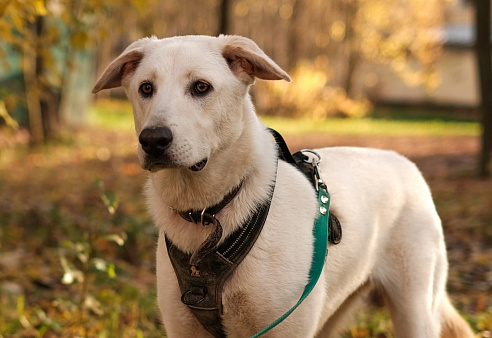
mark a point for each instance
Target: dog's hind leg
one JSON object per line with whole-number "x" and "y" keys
{"x": 412, "y": 273}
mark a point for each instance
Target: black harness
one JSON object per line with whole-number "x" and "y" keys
{"x": 201, "y": 275}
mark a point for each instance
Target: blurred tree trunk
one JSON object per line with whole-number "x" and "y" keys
{"x": 42, "y": 101}
{"x": 342, "y": 49}
{"x": 224, "y": 17}
{"x": 48, "y": 99}
{"x": 32, "y": 72}
{"x": 352, "y": 47}
{"x": 32, "y": 94}
{"x": 483, "y": 51}
{"x": 292, "y": 43}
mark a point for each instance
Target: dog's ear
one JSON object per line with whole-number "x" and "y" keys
{"x": 122, "y": 66}
{"x": 247, "y": 60}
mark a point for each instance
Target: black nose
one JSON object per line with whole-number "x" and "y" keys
{"x": 155, "y": 140}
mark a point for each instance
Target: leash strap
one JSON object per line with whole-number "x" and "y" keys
{"x": 320, "y": 233}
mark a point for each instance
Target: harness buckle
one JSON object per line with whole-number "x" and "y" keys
{"x": 205, "y": 217}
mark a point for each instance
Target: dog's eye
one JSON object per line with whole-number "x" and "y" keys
{"x": 201, "y": 88}
{"x": 146, "y": 89}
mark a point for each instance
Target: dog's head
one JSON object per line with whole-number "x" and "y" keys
{"x": 188, "y": 94}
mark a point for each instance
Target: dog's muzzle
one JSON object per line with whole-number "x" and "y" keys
{"x": 155, "y": 142}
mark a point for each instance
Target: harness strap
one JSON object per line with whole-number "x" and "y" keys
{"x": 284, "y": 150}
{"x": 300, "y": 161}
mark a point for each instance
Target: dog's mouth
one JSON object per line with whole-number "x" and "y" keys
{"x": 199, "y": 166}
{"x": 154, "y": 166}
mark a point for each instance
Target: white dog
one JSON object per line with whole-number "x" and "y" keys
{"x": 202, "y": 143}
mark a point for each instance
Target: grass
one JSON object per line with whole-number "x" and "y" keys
{"x": 372, "y": 126}
{"x": 111, "y": 114}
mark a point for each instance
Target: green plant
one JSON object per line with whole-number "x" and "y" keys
{"x": 81, "y": 266}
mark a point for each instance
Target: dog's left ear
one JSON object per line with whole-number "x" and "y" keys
{"x": 247, "y": 61}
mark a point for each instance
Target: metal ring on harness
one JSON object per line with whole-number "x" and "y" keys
{"x": 207, "y": 218}
{"x": 312, "y": 152}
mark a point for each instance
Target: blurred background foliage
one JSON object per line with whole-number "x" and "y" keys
{"x": 76, "y": 244}
{"x": 52, "y": 49}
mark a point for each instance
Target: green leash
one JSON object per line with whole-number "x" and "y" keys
{"x": 320, "y": 233}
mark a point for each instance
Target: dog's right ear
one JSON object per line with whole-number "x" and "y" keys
{"x": 122, "y": 66}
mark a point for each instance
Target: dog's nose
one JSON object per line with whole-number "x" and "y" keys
{"x": 155, "y": 140}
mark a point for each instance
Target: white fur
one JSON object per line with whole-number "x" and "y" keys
{"x": 392, "y": 235}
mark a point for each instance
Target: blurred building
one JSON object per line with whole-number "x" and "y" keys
{"x": 457, "y": 69}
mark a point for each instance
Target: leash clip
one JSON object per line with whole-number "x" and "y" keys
{"x": 314, "y": 161}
